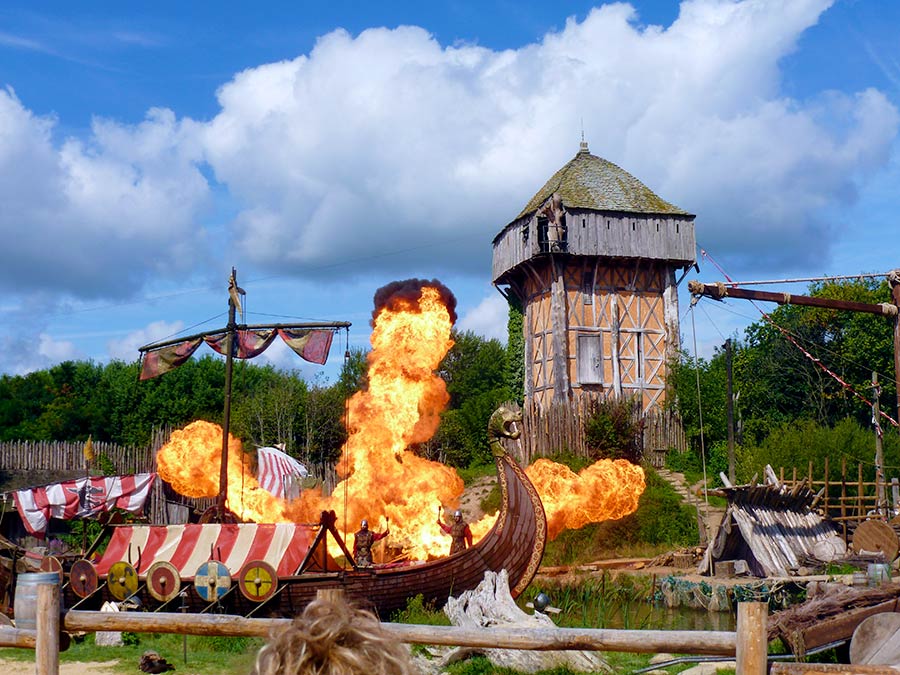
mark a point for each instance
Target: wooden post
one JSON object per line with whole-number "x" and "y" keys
{"x": 559, "y": 327}
{"x": 844, "y": 497}
{"x": 825, "y": 503}
{"x": 752, "y": 638}
{"x": 729, "y": 409}
{"x": 879, "y": 452}
{"x": 860, "y": 504}
{"x": 894, "y": 280}
{"x": 46, "y": 658}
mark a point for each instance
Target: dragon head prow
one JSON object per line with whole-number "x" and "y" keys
{"x": 504, "y": 422}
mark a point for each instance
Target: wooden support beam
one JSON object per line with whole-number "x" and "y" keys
{"x": 17, "y": 637}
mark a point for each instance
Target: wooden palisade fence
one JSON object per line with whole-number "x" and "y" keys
{"x": 559, "y": 427}
{"x": 65, "y": 460}
{"x": 846, "y": 497}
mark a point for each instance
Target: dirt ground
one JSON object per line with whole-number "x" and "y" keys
{"x": 9, "y": 667}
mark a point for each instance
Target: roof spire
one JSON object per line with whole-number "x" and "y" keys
{"x": 584, "y": 145}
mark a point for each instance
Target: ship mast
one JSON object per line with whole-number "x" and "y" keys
{"x": 231, "y": 333}
{"x": 233, "y": 299}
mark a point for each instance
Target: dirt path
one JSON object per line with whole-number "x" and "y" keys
{"x": 470, "y": 502}
{"x": 15, "y": 667}
{"x": 711, "y": 515}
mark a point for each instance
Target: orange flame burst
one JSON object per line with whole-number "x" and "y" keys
{"x": 190, "y": 462}
{"x": 606, "y": 490}
{"x": 401, "y": 406}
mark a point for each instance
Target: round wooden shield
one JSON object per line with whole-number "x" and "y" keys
{"x": 212, "y": 580}
{"x": 51, "y": 564}
{"x": 83, "y": 578}
{"x": 122, "y": 580}
{"x": 876, "y": 536}
{"x": 163, "y": 582}
{"x": 257, "y": 580}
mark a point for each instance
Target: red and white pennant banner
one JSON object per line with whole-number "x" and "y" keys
{"x": 81, "y": 498}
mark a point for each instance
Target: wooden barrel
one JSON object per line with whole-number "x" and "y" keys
{"x": 25, "y": 605}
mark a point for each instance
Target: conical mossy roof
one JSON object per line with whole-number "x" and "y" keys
{"x": 591, "y": 182}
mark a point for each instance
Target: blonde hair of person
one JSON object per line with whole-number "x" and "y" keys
{"x": 332, "y": 637}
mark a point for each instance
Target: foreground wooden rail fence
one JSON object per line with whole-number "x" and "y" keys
{"x": 748, "y": 643}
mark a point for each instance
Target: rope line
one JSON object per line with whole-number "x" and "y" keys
{"x": 812, "y": 358}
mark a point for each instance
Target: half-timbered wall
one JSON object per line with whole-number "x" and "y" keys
{"x": 615, "y": 339}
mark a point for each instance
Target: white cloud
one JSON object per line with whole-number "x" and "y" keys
{"x": 24, "y": 353}
{"x": 385, "y": 151}
{"x": 488, "y": 319}
{"x": 97, "y": 217}
{"x": 126, "y": 349}
{"x": 378, "y": 142}
{"x": 55, "y": 351}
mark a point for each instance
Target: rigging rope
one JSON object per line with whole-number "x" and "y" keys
{"x": 812, "y": 358}
{"x": 700, "y": 413}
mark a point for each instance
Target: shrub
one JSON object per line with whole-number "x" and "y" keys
{"x": 613, "y": 431}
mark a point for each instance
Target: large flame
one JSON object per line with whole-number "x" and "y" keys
{"x": 402, "y": 406}
{"x": 381, "y": 478}
{"x": 606, "y": 490}
{"x": 191, "y": 460}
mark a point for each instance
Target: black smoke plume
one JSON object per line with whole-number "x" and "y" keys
{"x": 400, "y": 295}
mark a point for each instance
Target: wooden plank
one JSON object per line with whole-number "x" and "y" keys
{"x": 821, "y": 668}
{"x": 841, "y": 627}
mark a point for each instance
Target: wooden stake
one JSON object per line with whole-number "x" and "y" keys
{"x": 752, "y": 640}
{"x": 46, "y": 659}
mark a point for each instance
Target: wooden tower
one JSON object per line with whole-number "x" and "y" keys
{"x": 592, "y": 258}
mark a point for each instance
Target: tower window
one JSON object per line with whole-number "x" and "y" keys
{"x": 589, "y": 356}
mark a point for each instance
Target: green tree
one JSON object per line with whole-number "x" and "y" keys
{"x": 475, "y": 370}
{"x": 515, "y": 351}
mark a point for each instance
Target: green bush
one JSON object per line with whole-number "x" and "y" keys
{"x": 613, "y": 431}
{"x": 420, "y": 612}
{"x": 796, "y": 444}
{"x": 661, "y": 518}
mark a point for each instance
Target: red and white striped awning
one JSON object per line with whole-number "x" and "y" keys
{"x": 282, "y": 545}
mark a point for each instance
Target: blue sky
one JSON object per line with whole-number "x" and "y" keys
{"x": 326, "y": 149}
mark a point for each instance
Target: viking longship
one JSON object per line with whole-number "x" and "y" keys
{"x": 274, "y": 569}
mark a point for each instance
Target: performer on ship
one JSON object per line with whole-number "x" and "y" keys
{"x": 363, "y": 541}
{"x": 460, "y": 534}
